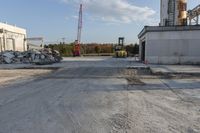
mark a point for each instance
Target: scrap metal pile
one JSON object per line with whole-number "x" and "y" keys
{"x": 38, "y": 57}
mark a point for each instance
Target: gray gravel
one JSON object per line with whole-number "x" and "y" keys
{"x": 99, "y": 95}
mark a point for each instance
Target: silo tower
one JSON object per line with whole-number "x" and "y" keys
{"x": 173, "y": 12}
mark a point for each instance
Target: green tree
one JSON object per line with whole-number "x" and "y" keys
{"x": 97, "y": 49}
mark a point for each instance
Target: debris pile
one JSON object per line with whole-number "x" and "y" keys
{"x": 38, "y": 57}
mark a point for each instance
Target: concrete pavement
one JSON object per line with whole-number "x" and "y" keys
{"x": 101, "y": 95}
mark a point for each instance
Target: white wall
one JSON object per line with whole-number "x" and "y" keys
{"x": 14, "y": 36}
{"x": 12, "y": 28}
{"x": 173, "y": 47}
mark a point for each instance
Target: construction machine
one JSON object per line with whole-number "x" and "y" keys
{"x": 77, "y": 44}
{"x": 77, "y": 49}
{"x": 120, "y": 51}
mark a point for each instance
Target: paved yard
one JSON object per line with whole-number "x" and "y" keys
{"x": 98, "y": 95}
{"x": 176, "y": 69}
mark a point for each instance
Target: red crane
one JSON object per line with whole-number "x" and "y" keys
{"x": 77, "y": 47}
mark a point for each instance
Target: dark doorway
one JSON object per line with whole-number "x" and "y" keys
{"x": 143, "y": 51}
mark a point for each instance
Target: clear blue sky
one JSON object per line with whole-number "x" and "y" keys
{"x": 104, "y": 20}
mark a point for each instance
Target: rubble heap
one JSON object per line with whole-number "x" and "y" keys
{"x": 38, "y": 57}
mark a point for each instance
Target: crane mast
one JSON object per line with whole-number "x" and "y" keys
{"x": 80, "y": 24}
{"x": 77, "y": 47}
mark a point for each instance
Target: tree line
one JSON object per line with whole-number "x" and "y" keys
{"x": 66, "y": 50}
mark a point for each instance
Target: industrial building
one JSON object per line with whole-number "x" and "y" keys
{"x": 173, "y": 41}
{"x": 173, "y": 12}
{"x": 36, "y": 43}
{"x": 12, "y": 38}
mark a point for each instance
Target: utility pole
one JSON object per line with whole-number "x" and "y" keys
{"x": 63, "y": 39}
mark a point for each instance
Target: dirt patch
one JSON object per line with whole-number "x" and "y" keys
{"x": 14, "y": 75}
{"x": 134, "y": 81}
{"x": 137, "y": 71}
{"x": 133, "y": 75}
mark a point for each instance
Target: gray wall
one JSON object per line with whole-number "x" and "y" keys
{"x": 173, "y": 47}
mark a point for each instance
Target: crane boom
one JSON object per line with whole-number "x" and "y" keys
{"x": 80, "y": 24}
{"x": 77, "y": 47}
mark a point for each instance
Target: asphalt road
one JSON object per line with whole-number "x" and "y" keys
{"x": 96, "y": 95}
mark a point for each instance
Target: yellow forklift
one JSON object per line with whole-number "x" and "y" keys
{"x": 120, "y": 51}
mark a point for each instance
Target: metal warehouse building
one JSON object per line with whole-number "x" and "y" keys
{"x": 12, "y": 38}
